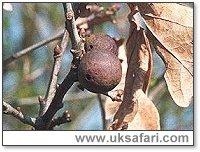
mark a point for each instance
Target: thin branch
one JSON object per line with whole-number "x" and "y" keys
{"x": 58, "y": 55}
{"x": 102, "y": 15}
{"x": 99, "y": 15}
{"x": 71, "y": 25}
{"x": 44, "y": 121}
{"x": 31, "y": 48}
{"x": 66, "y": 117}
{"x": 9, "y": 110}
{"x": 94, "y": 19}
{"x": 77, "y": 43}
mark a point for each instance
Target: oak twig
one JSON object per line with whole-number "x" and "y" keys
{"x": 32, "y": 47}
{"x": 44, "y": 122}
{"x": 9, "y": 110}
{"x": 71, "y": 25}
{"x": 58, "y": 55}
{"x": 66, "y": 117}
{"x": 77, "y": 43}
{"x": 99, "y": 15}
{"x": 94, "y": 19}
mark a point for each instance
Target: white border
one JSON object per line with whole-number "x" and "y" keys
{"x": 119, "y": 149}
{"x": 118, "y": 137}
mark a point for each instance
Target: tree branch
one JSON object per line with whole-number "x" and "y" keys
{"x": 99, "y": 15}
{"x": 9, "y": 110}
{"x": 44, "y": 122}
{"x": 71, "y": 25}
{"x": 66, "y": 117}
{"x": 94, "y": 19}
{"x": 58, "y": 55}
{"x": 77, "y": 43}
{"x": 103, "y": 15}
{"x": 31, "y": 48}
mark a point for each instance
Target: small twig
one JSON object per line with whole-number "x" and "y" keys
{"x": 32, "y": 47}
{"x": 99, "y": 15}
{"x": 71, "y": 25}
{"x": 42, "y": 103}
{"x": 66, "y": 117}
{"x": 93, "y": 19}
{"x": 58, "y": 55}
{"x": 44, "y": 121}
{"x": 105, "y": 14}
{"x": 9, "y": 110}
{"x": 77, "y": 43}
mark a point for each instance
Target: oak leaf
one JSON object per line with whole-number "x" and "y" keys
{"x": 137, "y": 79}
{"x": 171, "y": 28}
{"x": 147, "y": 117}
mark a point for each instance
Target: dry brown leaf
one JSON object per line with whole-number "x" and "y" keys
{"x": 178, "y": 79}
{"x": 143, "y": 58}
{"x": 172, "y": 27}
{"x": 137, "y": 76}
{"x": 147, "y": 117}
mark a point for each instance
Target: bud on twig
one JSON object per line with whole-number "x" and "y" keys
{"x": 57, "y": 51}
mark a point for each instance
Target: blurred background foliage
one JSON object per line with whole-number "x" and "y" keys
{"x": 27, "y": 78}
